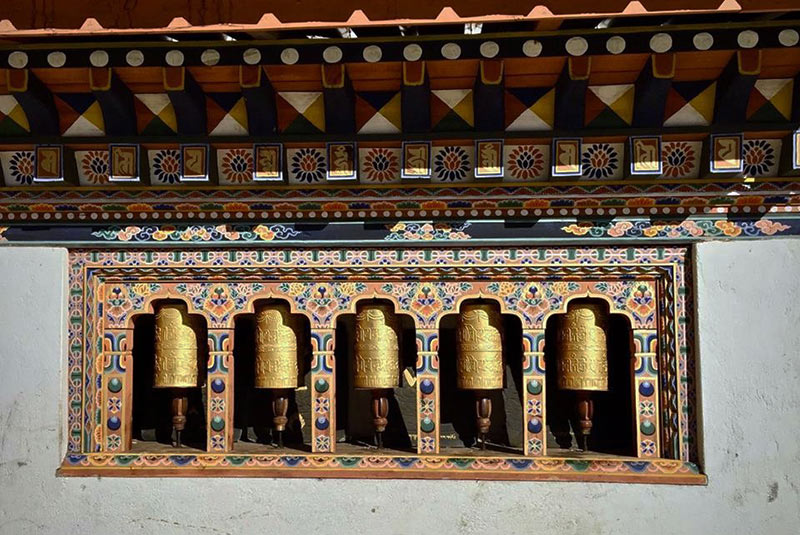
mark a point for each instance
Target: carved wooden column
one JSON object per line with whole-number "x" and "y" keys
{"x": 220, "y": 390}
{"x": 116, "y": 390}
{"x": 323, "y": 395}
{"x": 428, "y": 411}
{"x": 533, "y": 380}
{"x": 645, "y": 392}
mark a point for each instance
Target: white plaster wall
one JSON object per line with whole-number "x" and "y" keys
{"x": 749, "y": 321}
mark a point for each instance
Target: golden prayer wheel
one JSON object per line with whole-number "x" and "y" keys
{"x": 583, "y": 358}
{"x": 377, "y": 352}
{"x": 176, "y": 361}
{"x": 582, "y": 355}
{"x": 480, "y": 347}
{"x": 277, "y": 333}
{"x": 479, "y": 364}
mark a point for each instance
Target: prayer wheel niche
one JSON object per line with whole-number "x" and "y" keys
{"x": 583, "y": 358}
{"x": 176, "y": 360}
{"x": 377, "y": 359}
{"x": 277, "y": 362}
{"x": 479, "y": 365}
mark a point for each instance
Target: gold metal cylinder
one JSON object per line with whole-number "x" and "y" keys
{"x": 479, "y": 365}
{"x": 582, "y": 354}
{"x": 277, "y": 346}
{"x": 377, "y": 354}
{"x": 176, "y": 363}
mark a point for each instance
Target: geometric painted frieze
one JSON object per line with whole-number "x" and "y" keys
{"x": 529, "y": 108}
{"x": 526, "y": 162}
{"x": 379, "y": 165}
{"x": 690, "y": 103}
{"x": 602, "y": 160}
{"x": 306, "y": 165}
{"x": 300, "y": 112}
{"x": 452, "y": 163}
{"x": 609, "y": 106}
{"x": 451, "y": 110}
{"x": 770, "y": 101}
{"x": 226, "y": 114}
{"x": 155, "y": 115}
{"x": 235, "y": 166}
{"x": 79, "y": 114}
{"x": 378, "y": 112}
{"x": 13, "y": 121}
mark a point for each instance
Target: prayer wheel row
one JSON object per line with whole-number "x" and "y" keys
{"x": 582, "y": 357}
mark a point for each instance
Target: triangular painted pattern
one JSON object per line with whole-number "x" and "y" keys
{"x": 451, "y": 110}
{"x": 301, "y": 112}
{"x": 79, "y": 115}
{"x": 13, "y": 121}
{"x": 155, "y": 115}
{"x": 690, "y": 104}
{"x": 609, "y": 106}
{"x": 378, "y": 112}
{"x": 529, "y": 108}
{"x": 226, "y": 114}
{"x": 771, "y": 101}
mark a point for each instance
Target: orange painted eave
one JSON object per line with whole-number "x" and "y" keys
{"x": 358, "y": 19}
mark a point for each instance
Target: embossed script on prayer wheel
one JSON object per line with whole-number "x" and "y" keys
{"x": 582, "y": 356}
{"x": 276, "y": 347}
{"x": 377, "y": 352}
{"x": 176, "y": 348}
{"x": 480, "y": 348}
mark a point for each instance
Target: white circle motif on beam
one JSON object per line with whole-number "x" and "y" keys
{"x": 174, "y": 58}
{"x": 703, "y": 41}
{"x": 210, "y": 57}
{"x": 489, "y": 49}
{"x": 332, "y": 54}
{"x": 412, "y": 52}
{"x": 788, "y": 37}
{"x": 18, "y": 59}
{"x": 56, "y": 59}
{"x": 747, "y": 39}
{"x": 532, "y": 48}
{"x": 616, "y": 44}
{"x": 290, "y": 56}
{"x": 98, "y": 58}
{"x": 251, "y": 56}
{"x": 576, "y": 46}
{"x": 134, "y": 58}
{"x": 660, "y": 43}
{"x": 451, "y": 51}
{"x": 372, "y": 53}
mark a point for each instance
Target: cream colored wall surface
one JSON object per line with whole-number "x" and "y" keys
{"x": 749, "y": 340}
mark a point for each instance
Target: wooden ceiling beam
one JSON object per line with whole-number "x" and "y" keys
{"x": 116, "y": 102}
{"x": 652, "y": 88}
